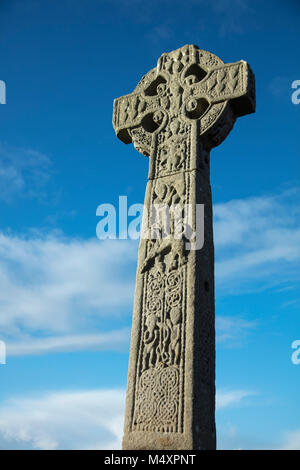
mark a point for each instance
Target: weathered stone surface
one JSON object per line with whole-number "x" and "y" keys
{"x": 178, "y": 112}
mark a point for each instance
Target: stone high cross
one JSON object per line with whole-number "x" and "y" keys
{"x": 178, "y": 112}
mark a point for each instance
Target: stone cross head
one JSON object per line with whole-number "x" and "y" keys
{"x": 191, "y": 91}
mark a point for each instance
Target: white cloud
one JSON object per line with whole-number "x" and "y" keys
{"x": 232, "y": 329}
{"x": 87, "y": 419}
{"x": 55, "y": 291}
{"x": 291, "y": 440}
{"x": 227, "y": 398}
{"x": 257, "y": 239}
{"x": 232, "y": 436}
{"x": 56, "y": 284}
{"x": 111, "y": 340}
{"x": 90, "y": 419}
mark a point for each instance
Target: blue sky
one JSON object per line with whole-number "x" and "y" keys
{"x": 65, "y": 296}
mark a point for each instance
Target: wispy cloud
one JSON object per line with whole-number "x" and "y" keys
{"x": 257, "y": 239}
{"x": 234, "y": 14}
{"x": 76, "y": 419}
{"x": 56, "y": 285}
{"x": 227, "y": 398}
{"x": 280, "y": 88}
{"x": 233, "y": 329}
{"x": 117, "y": 340}
{"x": 291, "y": 440}
{"x": 59, "y": 288}
{"x": 22, "y": 171}
{"x": 90, "y": 419}
{"x": 160, "y": 32}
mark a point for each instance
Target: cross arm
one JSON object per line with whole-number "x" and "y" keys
{"x": 130, "y": 111}
{"x": 234, "y": 82}
{"x": 125, "y": 116}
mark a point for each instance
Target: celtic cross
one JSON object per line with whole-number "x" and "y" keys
{"x": 178, "y": 112}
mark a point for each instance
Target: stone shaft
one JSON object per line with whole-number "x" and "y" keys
{"x": 170, "y": 391}
{"x": 178, "y": 112}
